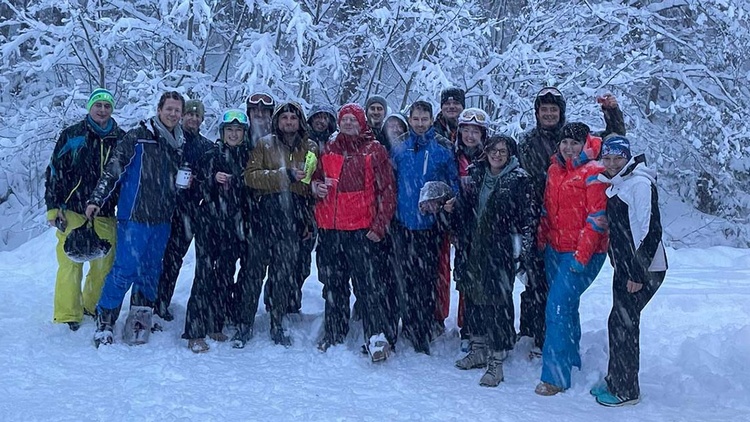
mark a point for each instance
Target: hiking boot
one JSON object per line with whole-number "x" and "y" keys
{"x": 73, "y": 325}
{"x": 243, "y": 334}
{"x": 218, "y": 336}
{"x": 547, "y": 389}
{"x": 378, "y": 348}
{"x": 198, "y": 345}
{"x": 105, "y": 327}
{"x": 138, "y": 325}
{"x": 494, "y": 375}
{"x": 279, "y": 337}
{"x": 477, "y": 356}
{"x": 612, "y": 400}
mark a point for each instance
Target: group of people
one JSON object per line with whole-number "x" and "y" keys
{"x": 350, "y": 183}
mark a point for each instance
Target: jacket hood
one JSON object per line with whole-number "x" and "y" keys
{"x": 294, "y": 108}
{"x": 398, "y": 116}
{"x": 329, "y": 111}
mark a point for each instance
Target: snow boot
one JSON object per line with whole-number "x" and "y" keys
{"x": 547, "y": 389}
{"x": 74, "y": 325}
{"x": 477, "y": 356}
{"x": 138, "y": 325}
{"x": 494, "y": 375}
{"x": 612, "y": 400}
{"x": 198, "y": 345}
{"x": 599, "y": 388}
{"x": 243, "y": 334}
{"x": 378, "y": 348}
{"x": 105, "y": 326}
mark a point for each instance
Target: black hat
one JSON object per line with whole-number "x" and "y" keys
{"x": 83, "y": 244}
{"x": 376, "y": 99}
{"x": 551, "y": 95}
{"x": 576, "y": 130}
{"x": 453, "y": 93}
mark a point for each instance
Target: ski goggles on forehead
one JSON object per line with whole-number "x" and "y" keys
{"x": 469, "y": 115}
{"x": 549, "y": 90}
{"x": 257, "y": 99}
{"x": 234, "y": 115}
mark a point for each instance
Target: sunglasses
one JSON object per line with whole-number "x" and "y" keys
{"x": 231, "y": 116}
{"x": 476, "y": 115}
{"x": 261, "y": 98}
{"x": 549, "y": 90}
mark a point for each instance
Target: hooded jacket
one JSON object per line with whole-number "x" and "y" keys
{"x": 635, "y": 231}
{"x": 573, "y": 217}
{"x": 364, "y": 196}
{"x": 418, "y": 159}
{"x": 77, "y": 162}
{"x": 321, "y": 138}
{"x": 144, "y": 165}
{"x": 383, "y": 138}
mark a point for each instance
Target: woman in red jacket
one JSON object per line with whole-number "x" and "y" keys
{"x": 573, "y": 233}
{"x": 356, "y": 201}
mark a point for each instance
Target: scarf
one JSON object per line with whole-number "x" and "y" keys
{"x": 175, "y": 140}
{"x": 101, "y": 131}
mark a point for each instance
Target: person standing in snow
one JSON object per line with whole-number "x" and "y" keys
{"x": 535, "y": 149}
{"x": 277, "y": 173}
{"x": 496, "y": 208}
{"x": 356, "y": 201}
{"x": 452, "y": 103}
{"x": 185, "y": 217}
{"x": 573, "y": 235}
{"x": 639, "y": 261}
{"x": 376, "y": 108}
{"x": 259, "y": 107}
{"x": 79, "y": 157}
{"x": 473, "y": 125}
{"x": 420, "y": 156}
{"x": 222, "y": 239}
{"x": 144, "y": 166}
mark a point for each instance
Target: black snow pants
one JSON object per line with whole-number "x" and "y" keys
{"x": 534, "y": 301}
{"x": 494, "y": 318}
{"x": 416, "y": 253}
{"x": 624, "y": 333}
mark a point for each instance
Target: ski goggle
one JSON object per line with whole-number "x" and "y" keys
{"x": 470, "y": 114}
{"x": 231, "y": 116}
{"x": 260, "y": 98}
{"x": 549, "y": 90}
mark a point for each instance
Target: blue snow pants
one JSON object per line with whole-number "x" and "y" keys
{"x": 138, "y": 255}
{"x": 560, "y": 353}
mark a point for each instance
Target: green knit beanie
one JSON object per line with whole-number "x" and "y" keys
{"x": 100, "y": 94}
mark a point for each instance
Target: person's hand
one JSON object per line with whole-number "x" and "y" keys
{"x": 91, "y": 211}
{"x": 298, "y": 174}
{"x": 633, "y": 287}
{"x": 372, "y": 236}
{"x": 320, "y": 189}
{"x": 222, "y": 178}
{"x": 607, "y": 101}
{"x": 60, "y": 216}
{"x": 448, "y": 207}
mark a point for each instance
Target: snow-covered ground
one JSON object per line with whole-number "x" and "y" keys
{"x": 695, "y": 360}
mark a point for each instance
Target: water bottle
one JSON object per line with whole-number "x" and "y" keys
{"x": 182, "y": 180}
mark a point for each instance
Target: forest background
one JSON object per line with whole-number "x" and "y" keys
{"x": 680, "y": 69}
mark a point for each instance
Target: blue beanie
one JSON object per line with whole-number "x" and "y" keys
{"x": 100, "y": 94}
{"x": 616, "y": 145}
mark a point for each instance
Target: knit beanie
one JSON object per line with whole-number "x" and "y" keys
{"x": 616, "y": 145}
{"x": 195, "y": 106}
{"x": 453, "y": 93}
{"x": 358, "y": 112}
{"x": 100, "y": 94}
{"x": 576, "y": 130}
{"x": 376, "y": 99}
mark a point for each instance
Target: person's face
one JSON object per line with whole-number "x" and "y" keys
{"x": 548, "y": 115}
{"x": 192, "y": 121}
{"x": 319, "y": 122}
{"x": 349, "y": 125}
{"x": 260, "y": 115}
{"x": 233, "y": 135}
{"x": 570, "y": 148}
{"x": 497, "y": 156}
{"x": 288, "y": 123}
{"x": 420, "y": 121}
{"x": 451, "y": 109}
{"x": 471, "y": 135}
{"x": 375, "y": 114}
{"x": 170, "y": 113}
{"x": 394, "y": 128}
{"x": 101, "y": 112}
{"x": 613, "y": 164}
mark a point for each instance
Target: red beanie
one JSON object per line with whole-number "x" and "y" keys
{"x": 359, "y": 114}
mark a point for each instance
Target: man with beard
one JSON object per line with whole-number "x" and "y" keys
{"x": 376, "y": 107}
{"x": 277, "y": 172}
